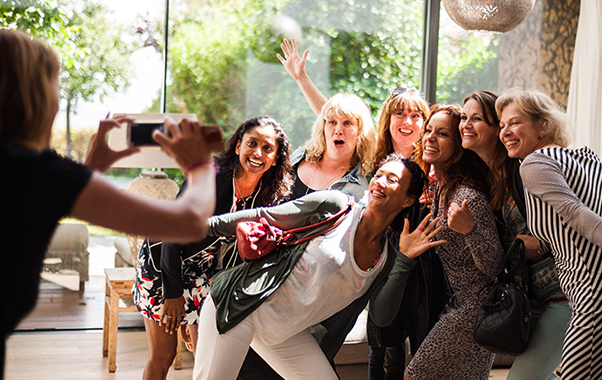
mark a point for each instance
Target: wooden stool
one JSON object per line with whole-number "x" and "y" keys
{"x": 119, "y": 286}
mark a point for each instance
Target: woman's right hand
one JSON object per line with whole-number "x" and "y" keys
{"x": 186, "y": 142}
{"x": 293, "y": 63}
{"x": 421, "y": 239}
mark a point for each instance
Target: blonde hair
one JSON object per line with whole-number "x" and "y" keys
{"x": 28, "y": 87}
{"x": 351, "y": 106}
{"x": 408, "y": 99}
{"x": 545, "y": 115}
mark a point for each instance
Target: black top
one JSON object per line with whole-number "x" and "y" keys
{"x": 36, "y": 191}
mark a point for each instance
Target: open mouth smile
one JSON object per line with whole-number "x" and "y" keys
{"x": 378, "y": 193}
{"x": 255, "y": 163}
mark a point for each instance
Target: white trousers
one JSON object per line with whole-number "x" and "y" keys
{"x": 220, "y": 356}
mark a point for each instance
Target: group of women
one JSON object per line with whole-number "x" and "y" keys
{"x": 466, "y": 192}
{"x": 475, "y": 201}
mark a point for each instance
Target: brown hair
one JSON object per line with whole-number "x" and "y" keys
{"x": 501, "y": 164}
{"x": 407, "y": 99}
{"x": 28, "y": 87}
{"x": 464, "y": 167}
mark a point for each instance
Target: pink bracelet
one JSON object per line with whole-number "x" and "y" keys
{"x": 196, "y": 165}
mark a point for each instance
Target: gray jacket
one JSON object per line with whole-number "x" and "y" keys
{"x": 353, "y": 183}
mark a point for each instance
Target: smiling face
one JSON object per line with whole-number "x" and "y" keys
{"x": 517, "y": 133}
{"x": 477, "y": 134}
{"x": 388, "y": 188}
{"x": 404, "y": 127}
{"x": 438, "y": 141}
{"x": 257, "y": 150}
{"x": 340, "y": 133}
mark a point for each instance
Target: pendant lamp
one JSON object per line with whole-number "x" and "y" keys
{"x": 489, "y": 15}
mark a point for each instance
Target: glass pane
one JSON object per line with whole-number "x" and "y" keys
{"x": 223, "y": 65}
{"x": 536, "y": 54}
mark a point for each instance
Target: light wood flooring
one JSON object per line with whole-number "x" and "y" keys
{"x": 77, "y": 356}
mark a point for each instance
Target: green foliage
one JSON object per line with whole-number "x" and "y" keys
{"x": 224, "y": 66}
{"x": 95, "y": 58}
{"x": 41, "y": 18}
{"x": 467, "y": 62}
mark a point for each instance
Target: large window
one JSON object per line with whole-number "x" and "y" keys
{"x": 537, "y": 54}
{"x": 222, "y": 61}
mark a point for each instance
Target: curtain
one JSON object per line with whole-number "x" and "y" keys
{"x": 585, "y": 93}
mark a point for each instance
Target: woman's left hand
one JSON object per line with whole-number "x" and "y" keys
{"x": 99, "y": 155}
{"x": 459, "y": 218}
{"x": 416, "y": 243}
{"x": 173, "y": 311}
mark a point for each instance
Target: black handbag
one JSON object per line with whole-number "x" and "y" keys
{"x": 503, "y": 323}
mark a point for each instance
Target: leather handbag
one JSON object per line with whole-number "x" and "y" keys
{"x": 259, "y": 239}
{"x": 503, "y": 323}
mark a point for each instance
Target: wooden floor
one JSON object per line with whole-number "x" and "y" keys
{"x": 77, "y": 356}
{"x": 62, "y": 337}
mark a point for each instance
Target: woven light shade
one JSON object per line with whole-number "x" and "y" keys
{"x": 489, "y": 15}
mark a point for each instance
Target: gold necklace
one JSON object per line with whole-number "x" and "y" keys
{"x": 329, "y": 182}
{"x": 242, "y": 198}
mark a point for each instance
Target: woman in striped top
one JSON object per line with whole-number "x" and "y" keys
{"x": 564, "y": 209}
{"x": 479, "y": 127}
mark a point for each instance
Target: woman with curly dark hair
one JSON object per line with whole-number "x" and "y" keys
{"x": 172, "y": 279}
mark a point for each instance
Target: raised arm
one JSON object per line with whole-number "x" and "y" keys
{"x": 295, "y": 66}
{"x": 182, "y": 220}
{"x": 543, "y": 178}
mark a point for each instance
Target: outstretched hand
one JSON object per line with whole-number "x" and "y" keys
{"x": 459, "y": 218}
{"x": 99, "y": 155}
{"x": 185, "y": 142}
{"x": 293, "y": 63}
{"x": 421, "y": 239}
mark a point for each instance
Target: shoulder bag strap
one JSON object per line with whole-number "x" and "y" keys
{"x": 336, "y": 219}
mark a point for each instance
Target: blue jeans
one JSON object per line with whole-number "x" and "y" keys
{"x": 543, "y": 354}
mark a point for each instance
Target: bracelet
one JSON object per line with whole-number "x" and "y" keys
{"x": 472, "y": 230}
{"x": 196, "y": 164}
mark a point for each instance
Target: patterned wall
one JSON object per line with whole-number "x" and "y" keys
{"x": 539, "y": 52}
